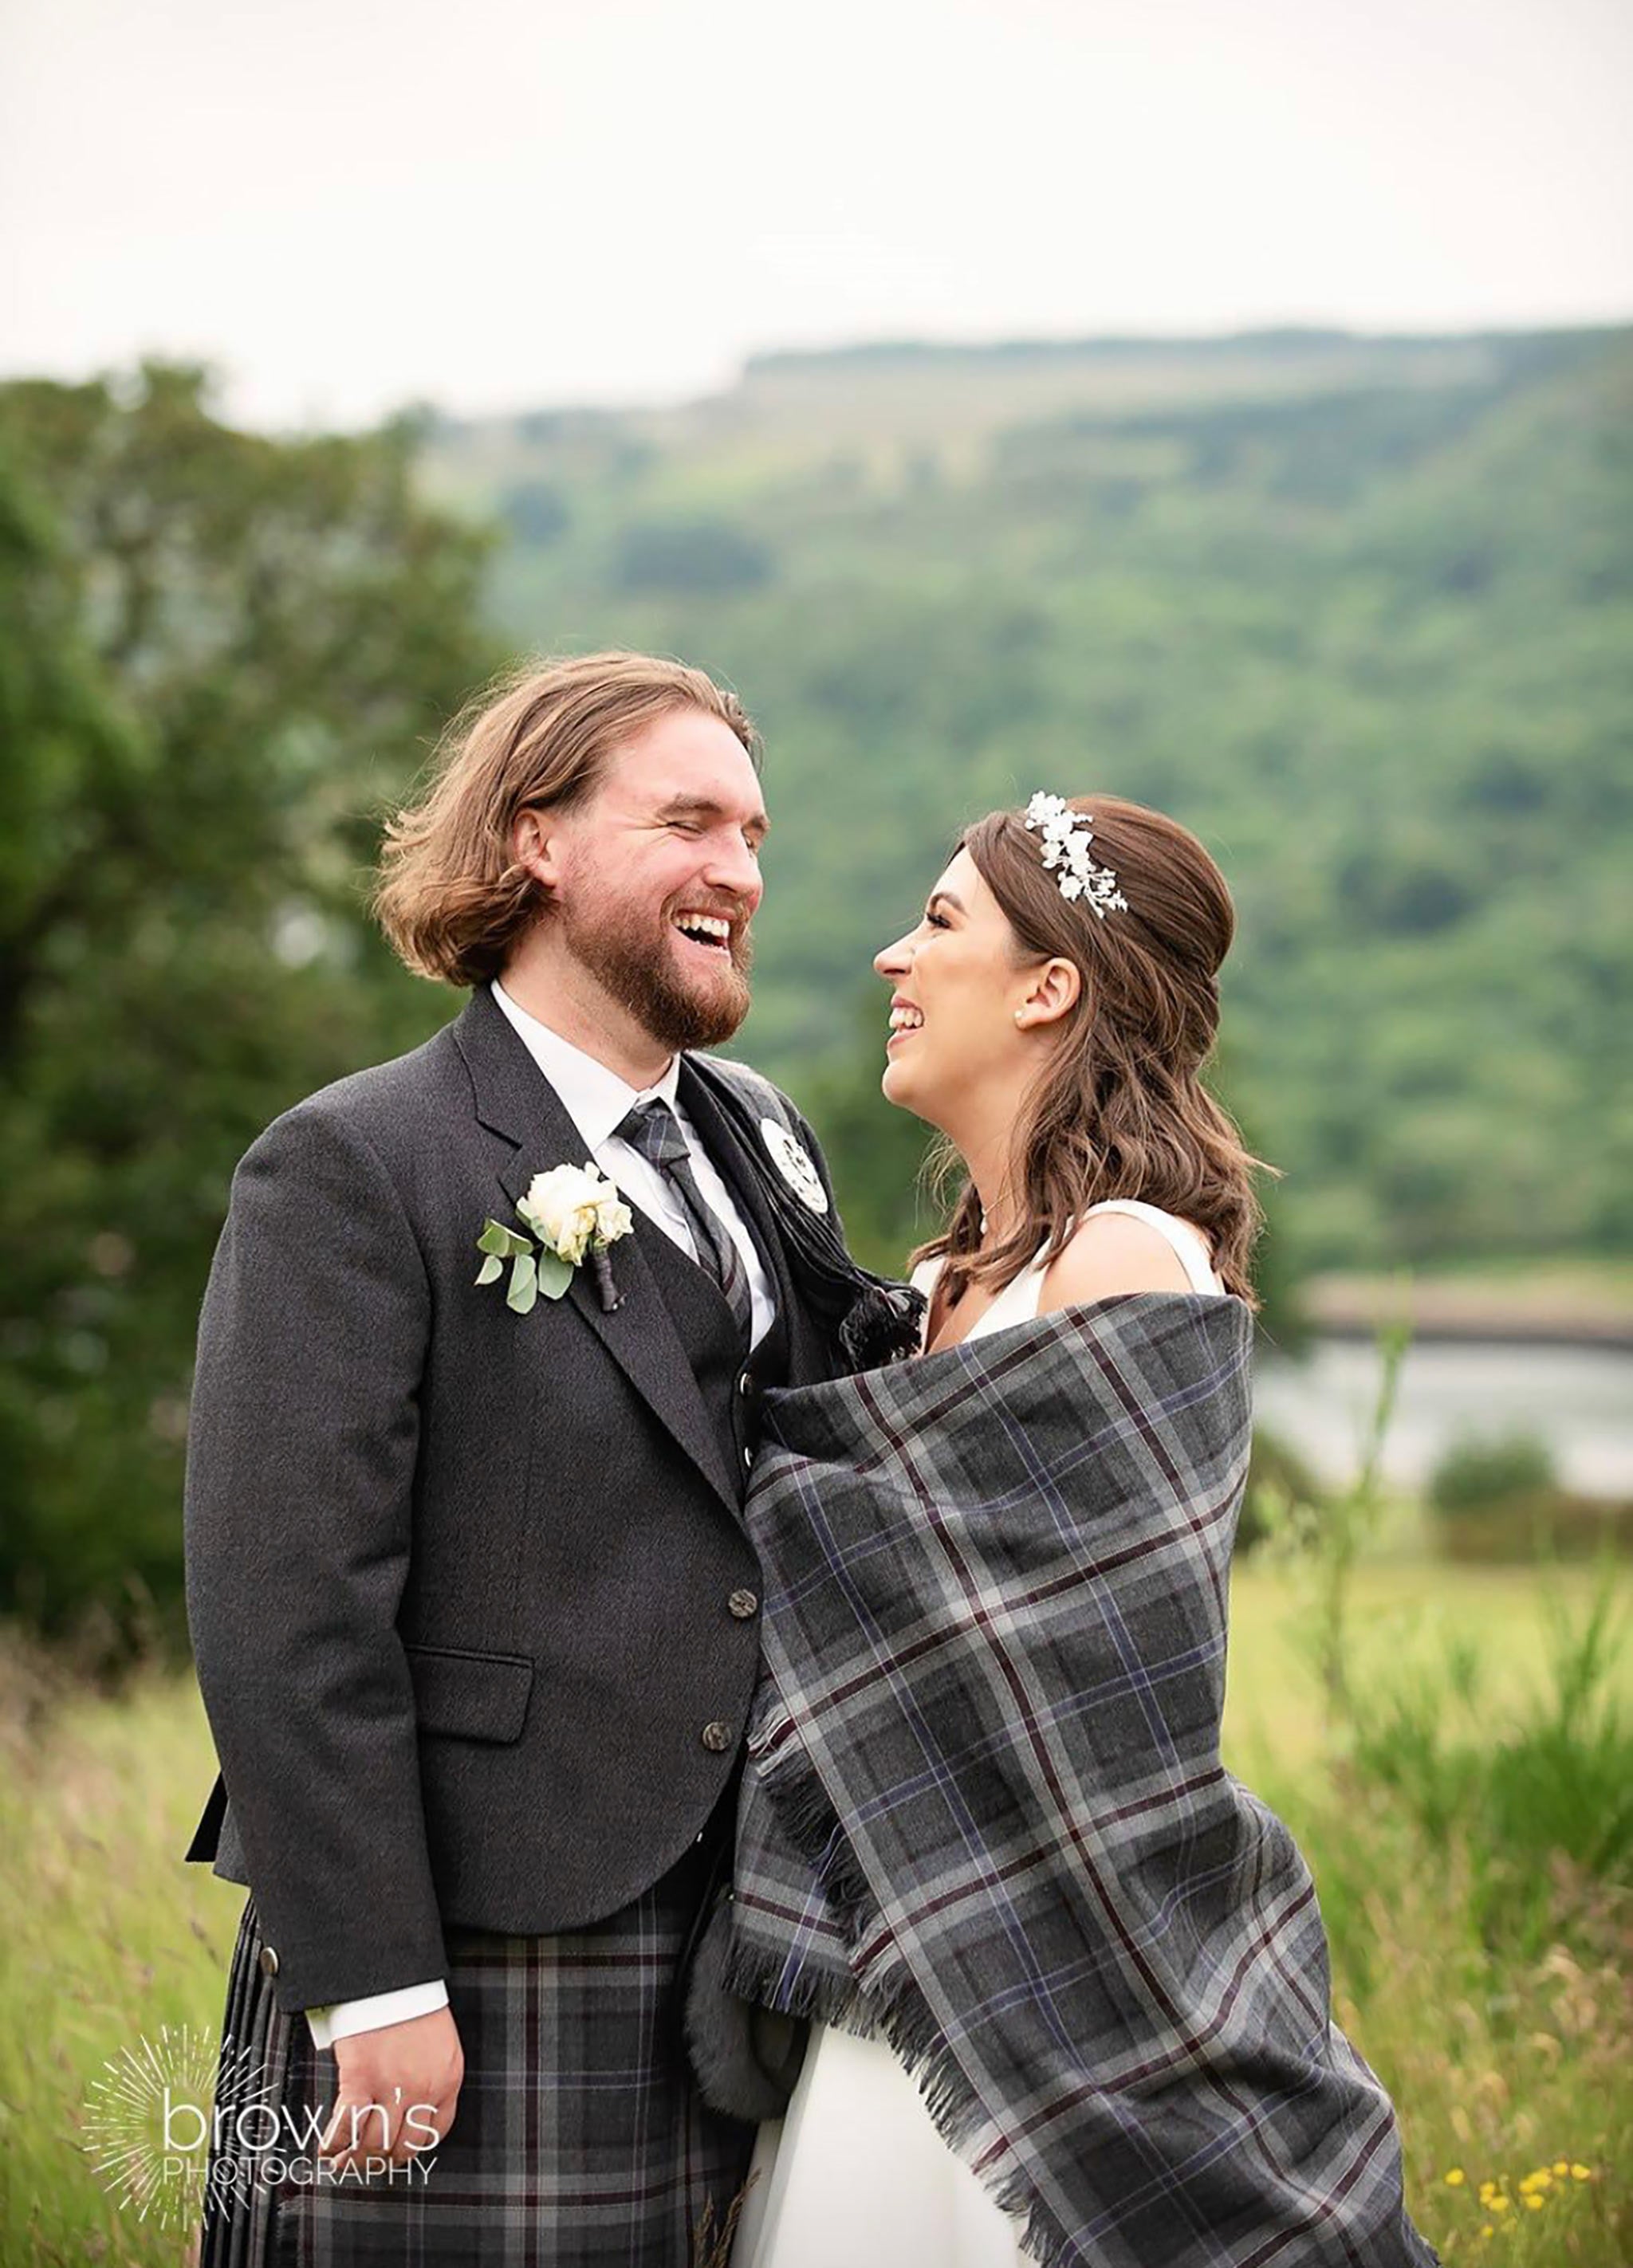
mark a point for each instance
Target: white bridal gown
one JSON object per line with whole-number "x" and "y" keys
{"x": 856, "y": 2172}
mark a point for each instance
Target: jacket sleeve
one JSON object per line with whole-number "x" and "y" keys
{"x": 301, "y": 1450}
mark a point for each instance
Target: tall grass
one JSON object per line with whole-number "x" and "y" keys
{"x": 105, "y": 1937}
{"x": 1471, "y": 1842}
{"x": 1502, "y": 2067}
{"x": 1544, "y": 1804}
{"x": 1501, "y": 2030}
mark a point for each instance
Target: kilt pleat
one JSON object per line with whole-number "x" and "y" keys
{"x": 579, "y": 2139}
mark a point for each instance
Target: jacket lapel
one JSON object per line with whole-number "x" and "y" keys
{"x": 516, "y": 1101}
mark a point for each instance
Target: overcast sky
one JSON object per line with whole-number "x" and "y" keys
{"x": 503, "y": 204}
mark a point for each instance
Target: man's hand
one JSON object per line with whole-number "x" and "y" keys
{"x": 398, "y": 2088}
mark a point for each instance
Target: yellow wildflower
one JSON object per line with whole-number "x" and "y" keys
{"x": 1580, "y": 2173}
{"x": 1488, "y": 2230}
{"x": 1535, "y": 2203}
{"x": 1499, "y": 2202}
{"x": 1561, "y": 2165}
{"x": 1454, "y": 2179}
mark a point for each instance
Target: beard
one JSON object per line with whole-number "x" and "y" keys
{"x": 628, "y": 952}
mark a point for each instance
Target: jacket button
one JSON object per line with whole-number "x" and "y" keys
{"x": 717, "y": 1736}
{"x": 269, "y": 1960}
{"x": 748, "y": 1461}
{"x": 743, "y": 1604}
{"x": 745, "y": 1384}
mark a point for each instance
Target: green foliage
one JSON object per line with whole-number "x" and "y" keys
{"x": 879, "y": 1156}
{"x": 692, "y": 556}
{"x": 1500, "y": 1502}
{"x": 1359, "y": 613}
{"x": 1474, "y": 1475}
{"x": 1325, "y": 1532}
{"x": 536, "y": 512}
{"x": 1538, "y": 1528}
{"x": 217, "y": 653}
{"x": 1278, "y": 1479}
{"x": 1554, "y": 1785}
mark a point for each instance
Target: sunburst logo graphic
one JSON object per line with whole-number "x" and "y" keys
{"x": 147, "y": 2125}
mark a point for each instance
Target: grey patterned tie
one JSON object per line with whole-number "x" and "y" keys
{"x": 653, "y": 1129}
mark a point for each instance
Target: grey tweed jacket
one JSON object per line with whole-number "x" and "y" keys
{"x": 474, "y": 1613}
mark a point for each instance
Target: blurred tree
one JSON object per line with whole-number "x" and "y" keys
{"x": 699, "y": 555}
{"x": 536, "y": 512}
{"x": 218, "y": 652}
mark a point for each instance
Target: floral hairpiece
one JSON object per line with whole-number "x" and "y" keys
{"x": 1067, "y": 834}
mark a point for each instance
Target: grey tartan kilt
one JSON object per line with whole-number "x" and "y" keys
{"x": 579, "y": 2139}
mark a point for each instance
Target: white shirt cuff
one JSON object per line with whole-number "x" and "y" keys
{"x": 342, "y": 2018}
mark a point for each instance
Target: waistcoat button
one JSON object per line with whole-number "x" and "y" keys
{"x": 269, "y": 1960}
{"x": 743, "y": 1604}
{"x": 717, "y": 1736}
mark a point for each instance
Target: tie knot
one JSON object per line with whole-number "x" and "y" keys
{"x": 653, "y": 1129}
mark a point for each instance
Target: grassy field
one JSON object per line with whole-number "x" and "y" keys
{"x": 1406, "y": 1616}
{"x": 1504, "y": 2071}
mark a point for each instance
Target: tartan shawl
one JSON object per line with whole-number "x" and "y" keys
{"x": 985, "y": 1814}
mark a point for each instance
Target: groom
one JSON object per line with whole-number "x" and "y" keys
{"x": 475, "y": 1615}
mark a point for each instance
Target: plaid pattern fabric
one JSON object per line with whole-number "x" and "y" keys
{"x": 986, "y": 1813}
{"x": 580, "y": 2141}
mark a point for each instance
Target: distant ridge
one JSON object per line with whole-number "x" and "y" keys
{"x": 1276, "y": 339}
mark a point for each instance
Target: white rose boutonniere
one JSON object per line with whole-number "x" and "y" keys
{"x": 576, "y": 1213}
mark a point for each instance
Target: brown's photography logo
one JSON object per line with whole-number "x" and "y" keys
{"x": 148, "y": 2123}
{"x": 180, "y": 2130}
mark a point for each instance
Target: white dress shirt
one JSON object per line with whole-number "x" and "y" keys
{"x": 597, "y": 1101}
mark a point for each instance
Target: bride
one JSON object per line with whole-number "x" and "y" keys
{"x": 1069, "y": 1979}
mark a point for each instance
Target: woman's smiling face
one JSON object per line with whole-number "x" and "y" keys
{"x": 956, "y": 988}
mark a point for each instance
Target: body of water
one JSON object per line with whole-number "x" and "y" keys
{"x": 1580, "y": 1401}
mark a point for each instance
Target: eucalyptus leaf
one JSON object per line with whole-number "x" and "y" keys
{"x": 500, "y": 1241}
{"x": 491, "y": 1269}
{"x": 553, "y": 1275}
{"x": 523, "y": 1285}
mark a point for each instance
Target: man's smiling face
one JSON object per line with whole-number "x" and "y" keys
{"x": 657, "y": 879}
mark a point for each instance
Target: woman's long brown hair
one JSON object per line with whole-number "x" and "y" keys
{"x": 1119, "y": 1111}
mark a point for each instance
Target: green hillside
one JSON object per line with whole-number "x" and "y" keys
{"x": 1356, "y": 610}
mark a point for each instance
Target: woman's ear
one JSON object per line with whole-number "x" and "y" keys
{"x": 1052, "y": 993}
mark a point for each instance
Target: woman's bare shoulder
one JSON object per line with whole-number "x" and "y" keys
{"x": 1111, "y": 1252}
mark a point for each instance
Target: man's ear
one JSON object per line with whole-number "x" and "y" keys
{"x": 536, "y": 845}
{"x": 1052, "y": 993}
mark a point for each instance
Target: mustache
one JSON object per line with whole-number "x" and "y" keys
{"x": 731, "y": 909}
